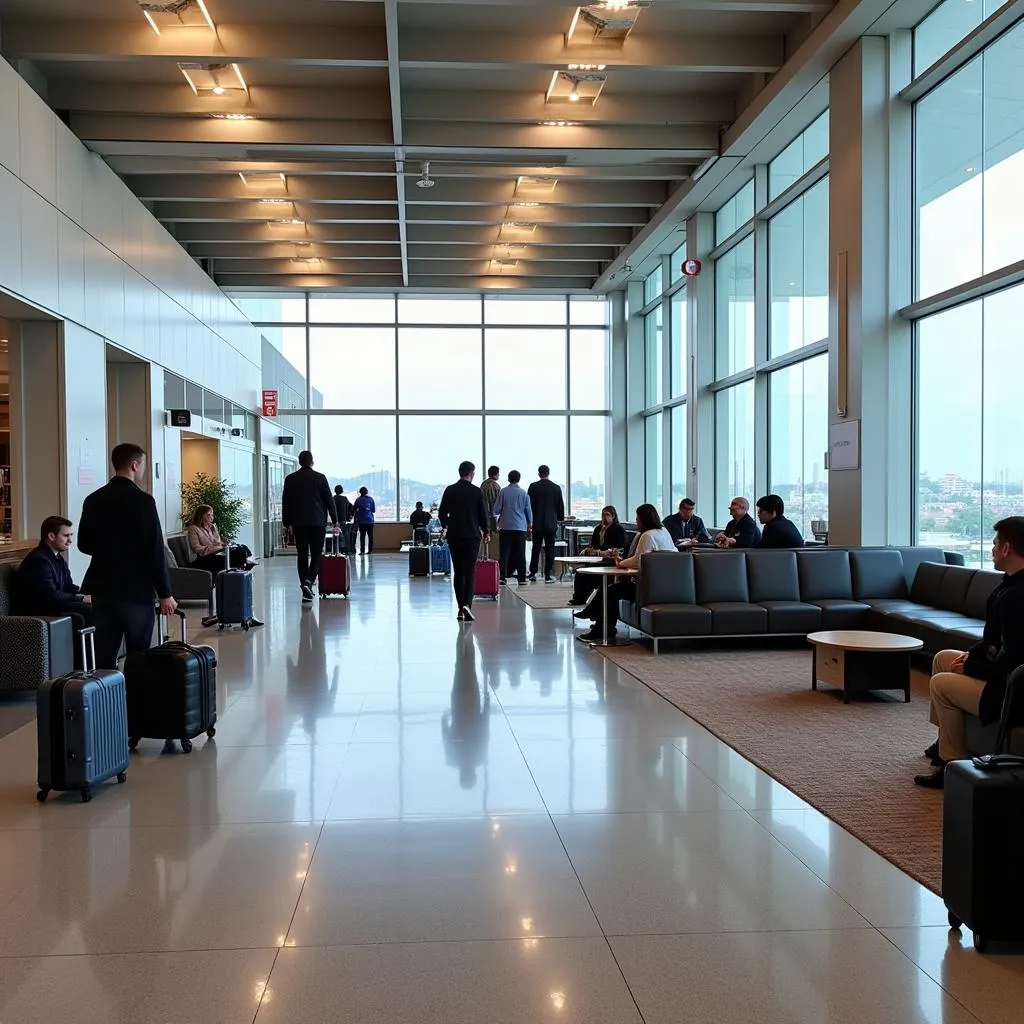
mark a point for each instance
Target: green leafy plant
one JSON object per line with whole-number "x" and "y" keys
{"x": 228, "y": 511}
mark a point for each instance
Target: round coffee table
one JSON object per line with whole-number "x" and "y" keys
{"x": 856, "y": 660}
{"x": 606, "y": 572}
{"x": 570, "y": 563}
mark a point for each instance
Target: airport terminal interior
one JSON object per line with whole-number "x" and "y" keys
{"x": 669, "y": 249}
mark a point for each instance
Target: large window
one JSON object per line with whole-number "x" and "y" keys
{"x": 525, "y": 369}
{"x": 526, "y": 442}
{"x": 653, "y": 356}
{"x": 353, "y": 367}
{"x": 806, "y": 150}
{"x": 734, "y": 309}
{"x": 653, "y": 469}
{"x": 588, "y": 445}
{"x": 425, "y": 447}
{"x": 950, "y": 22}
{"x": 358, "y": 451}
{"x": 679, "y": 353}
{"x": 440, "y": 368}
{"x": 680, "y": 463}
{"x": 734, "y": 437}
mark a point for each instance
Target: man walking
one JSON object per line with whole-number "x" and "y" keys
{"x": 514, "y": 517}
{"x": 491, "y": 489}
{"x": 463, "y": 514}
{"x": 306, "y": 505}
{"x": 121, "y": 530}
{"x": 548, "y": 511}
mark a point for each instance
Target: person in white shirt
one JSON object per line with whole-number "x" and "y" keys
{"x": 652, "y": 537}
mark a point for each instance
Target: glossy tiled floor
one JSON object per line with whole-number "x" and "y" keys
{"x": 408, "y": 821}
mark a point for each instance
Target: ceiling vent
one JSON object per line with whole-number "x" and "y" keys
{"x": 608, "y": 22}
{"x": 164, "y": 14}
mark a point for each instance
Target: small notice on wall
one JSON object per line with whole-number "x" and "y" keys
{"x": 844, "y": 445}
{"x": 85, "y": 476}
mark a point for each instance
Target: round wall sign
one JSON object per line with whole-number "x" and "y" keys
{"x": 691, "y": 268}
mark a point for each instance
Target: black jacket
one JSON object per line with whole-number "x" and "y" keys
{"x": 547, "y": 504}
{"x": 692, "y": 529}
{"x": 307, "y": 499}
{"x": 1001, "y": 648}
{"x": 121, "y": 530}
{"x": 744, "y": 530}
{"x": 419, "y": 519}
{"x": 780, "y": 533}
{"x": 462, "y": 512}
{"x": 343, "y": 507}
{"x": 43, "y": 585}
{"x": 614, "y": 537}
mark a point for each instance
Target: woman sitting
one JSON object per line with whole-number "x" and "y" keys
{"x": 653, "y": 537}
{"x": 206, "y": 549}
{"x": 608, "y": 541}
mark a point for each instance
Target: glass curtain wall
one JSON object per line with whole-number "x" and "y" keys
{"x": 401, "y": 389}
{"x": 969, "y": 225}
{"x": 771, "y": 368}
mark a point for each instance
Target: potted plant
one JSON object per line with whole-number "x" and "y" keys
{"x": 228, "y": 511}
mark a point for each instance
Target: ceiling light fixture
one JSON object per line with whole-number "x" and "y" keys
{"x": 610, "y": 21}
{"x": 587, "y": 67}
{"x": 213, "y": 79}
{"x": 233, "y": 117}
{"x": 218, "y": 90}
{"x": 267, "y": 199}
{"x": 574, "y": 96}
{"x": 287, "y": 221}
{"x": 176, "y": 14}
{"x": 306, "y": 260}
{"x": 425, "y": 180}
{"x": 576, "y": 84}
{"x": 265, "y": 182}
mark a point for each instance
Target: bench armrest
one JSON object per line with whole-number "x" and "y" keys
{"x": 34, "y": 648}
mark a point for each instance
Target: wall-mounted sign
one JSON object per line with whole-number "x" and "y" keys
{"x": 844, "y": 445}
{"x": 691, "y": 268}
{"x": 285, "y": 440}
{"x": 270, "y": 404}
{"x": 181, "y": 418}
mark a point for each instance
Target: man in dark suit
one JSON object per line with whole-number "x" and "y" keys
{"x": 43, "y": 583}
{"x": 463, "y": 515}
{"x": 344, "y": 509}
{"x": 740, "y": 531}
{"x": 121, "y": 530}
{"x": 548, "y": 511}
{"x": 686, "y": 525}
{"x": 776, "y": 530}
{"x": 306, "y": 505}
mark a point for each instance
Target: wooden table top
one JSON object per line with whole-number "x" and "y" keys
{"x": 606, "y": 570}
{"x": 864, "y": 640}
{"x": 579, "y": 559}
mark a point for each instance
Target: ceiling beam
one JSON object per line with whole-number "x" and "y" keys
{"x": 597, "y": 216}
{"x": 307, "y": 281}
{"x": 72, "y": 39}
{"x": 257, "y": 212}
{"x": 397, "y": 123}
{"x": 523, "y": 268}
{"x": 370, "y": 268}
{"x": 350, "y": 268}
{"x": 533, "y": 253}
{"x": 281, "y": 250}
{"x": 362, "y": 233}
{"x": 231, "y": 188}
{"x": 314, "y": 282}
{"x": 545, "y": 234}
{"x": 735, "y": 6}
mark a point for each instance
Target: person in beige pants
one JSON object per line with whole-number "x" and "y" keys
{"x": 973, "y": 682}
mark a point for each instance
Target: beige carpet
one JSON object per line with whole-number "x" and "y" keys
{"x": 855, "y": 763}
{"x": 543, "y": 595}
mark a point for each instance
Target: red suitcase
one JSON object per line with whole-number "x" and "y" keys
{"x": 486, "y": 579}
{"x": 334, "y": 574}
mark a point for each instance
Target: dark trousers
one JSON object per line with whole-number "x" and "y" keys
{"x": 215, "y": 563}
{"x": 543, "y": 539}
{"x": 585, "y": 583}
{"x": 624, "y": 591}
{"x": 365, "y": 537}
{"x": 513, "y": 554}
{"x": 121, "y": 620}
{"x": 463, "y": 551}
{"x": 309, "y": 541}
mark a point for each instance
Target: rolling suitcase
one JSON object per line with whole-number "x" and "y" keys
{"x": 172, "y": 691}
{"x": 82, "y": 727}
{"x": 982, "y": 836}
{"x": 421, "y": 536}
{"x": 334, "y": 573}
{"x": 440, "y": 559}
{"x": 419, "y": 561}
{"x": 486, "y": 584}
{"x": 234, "y": 598}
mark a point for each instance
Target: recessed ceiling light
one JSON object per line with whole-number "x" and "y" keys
{"x": 306, "y": 260}
{"x": 176, "y": 14}
{"x": 233, "y": 117}
{"x": 517, "y": 203}
{"x": 559, "y": 124}
{"x": 288, "y": 220}
{"x": 587, "y": 67}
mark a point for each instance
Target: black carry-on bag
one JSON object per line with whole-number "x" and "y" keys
{"x": 172, "y": 691}
{"x": 82, "y": 727}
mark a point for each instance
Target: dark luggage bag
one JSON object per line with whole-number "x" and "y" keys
{"x": 172, "y": 691}
{"x": 419, "y": 561}
{"x": 334, "y": 571}
{"x": 234, "y": 598}
{"x": 82, "y": 727}
{"x": 982, "y": 839}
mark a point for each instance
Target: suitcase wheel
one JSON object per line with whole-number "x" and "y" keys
{"x": 954, "y": 921}
{"x": 133, "y": 742}
{"x": 186, "y": 746}
{"x": 42, "y": 795}
{"x": 86, "y": 795}
{"x": 221, "y": 627}
{"x": 211, "y": 732}
{"x": 122, "y": 778}
{"x": 980, "y": 942}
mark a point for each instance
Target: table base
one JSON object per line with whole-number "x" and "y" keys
{"x": 860, "y": 671}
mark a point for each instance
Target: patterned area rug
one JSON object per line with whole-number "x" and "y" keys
{"x": 543, "y": 595}
{"x": 855, "y": 763}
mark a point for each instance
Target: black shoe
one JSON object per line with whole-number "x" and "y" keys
{"x": 595, "y": 636}
{"x": 532, "y": 577}
{"x": 936, "y": 780}
{"x": 460, "y": 615}
{"x": 932, "y": 751}
{"x": 467, "y": 614}
{"x": 253, "y": 623}
{"x": 549, "y": 579}
{"x": 307, "y": 593}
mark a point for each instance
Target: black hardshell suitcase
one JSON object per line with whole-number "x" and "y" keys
{"x": 172, "y": 691}
{"x": 419, "y": 561}
{"x": 82, "y": 727}
{"x": 982, "y": 839}
{"x": 234, "y": 598}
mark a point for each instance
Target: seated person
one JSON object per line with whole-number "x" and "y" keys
{"x": 740, "y": 531}
{"x": 974, "y": 682}
{"x": 206, "y": 549}
{"x": 609, "y": 540}
{"x": 420, "y": 522}
{"x": 778, "y": 531}
{"x": 43, "y": 583}
{"x": 684, "y": 525}
{"x": 652, "y": 537}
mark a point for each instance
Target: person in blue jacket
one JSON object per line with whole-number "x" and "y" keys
{"x": 363, "y": 509}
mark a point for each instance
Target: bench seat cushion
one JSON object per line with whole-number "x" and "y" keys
{"x": 792, "y": 616}
{"x": 840, "y": 614}
{"x": 729, "y": 618}
{"x": 675, "y": 620}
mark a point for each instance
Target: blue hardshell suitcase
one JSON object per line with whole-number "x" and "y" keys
{"x": 234, "y": 598}
{"x": 82, "y": 727}
{"x": 440, "y": 559}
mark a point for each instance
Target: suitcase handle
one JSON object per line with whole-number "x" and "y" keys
{"x": 165, "y": 625}
{"x": 88, "y": 648}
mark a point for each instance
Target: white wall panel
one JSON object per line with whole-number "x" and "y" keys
{"x": 10, "y": 142}
{"x": 10, "y": 219}
{"x": 38, "y": 143}
{"x": 71, "y": 270}
{"x": 39, "y": 266}
{"x": 70, "y": 179}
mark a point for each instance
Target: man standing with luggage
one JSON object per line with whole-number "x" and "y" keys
{"x": 548, "y": 511}
{"x": 306, "y": 505}
{"x": 514, "y": 517}
{"x": 121, "y": 530}
{"x": 491, "y": 488}
{"x": 463, "y": 515}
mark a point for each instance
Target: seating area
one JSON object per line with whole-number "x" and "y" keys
{"x": 915, "y": 591}
{"x": 189, "y": 585}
